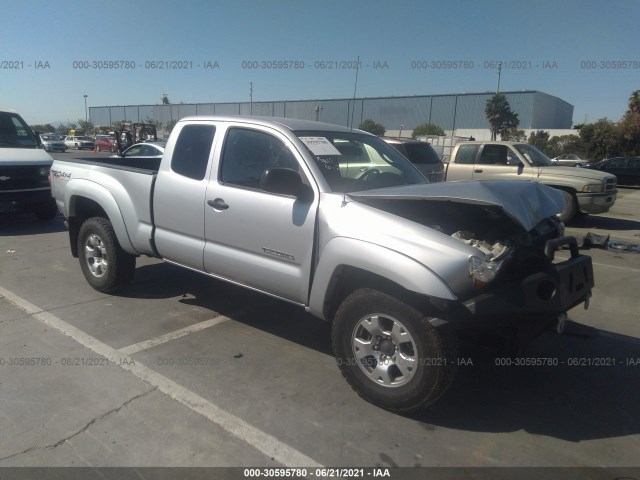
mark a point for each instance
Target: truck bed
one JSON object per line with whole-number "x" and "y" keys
{"x": 124, "y": 191}
{"x": 138, "y": 164}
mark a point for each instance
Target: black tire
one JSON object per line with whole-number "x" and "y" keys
{"x": 433, "y": 350}
{"x": 570, "y": 207}
{"x": 104, "y": 264}
{"x": 47, "y": 212}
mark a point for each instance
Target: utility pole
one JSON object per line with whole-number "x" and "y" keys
{"x": 499, "y": 73}
{"x": 317, "y": 109}
{"x": 251, "y": 98}
{"x": 86, "y": 117}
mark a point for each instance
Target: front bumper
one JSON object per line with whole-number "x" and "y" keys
{"x": 26, "y": 201}
{"x": 596, "y": 202}
{"x": 541, "y": 296}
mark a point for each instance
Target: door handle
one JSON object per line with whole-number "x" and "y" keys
{"x": 477, "y": 171}
{"x": 218, "y": 204}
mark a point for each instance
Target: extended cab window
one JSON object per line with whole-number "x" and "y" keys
{"x": 191, "y": 153}
{"x": 493, "y": 155}
{"x": 466, "y": 154}
{"x": 248, "y": 153}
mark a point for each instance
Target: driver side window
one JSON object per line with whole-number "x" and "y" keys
{"x": 248, "y": 153}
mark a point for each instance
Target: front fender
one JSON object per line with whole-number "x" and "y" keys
{"x": 391, "y": 265}
{"x": 81, "y": 188}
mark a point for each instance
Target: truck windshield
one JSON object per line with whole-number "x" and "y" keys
{"x": 352, "y": 162}
{"x": 534, "y": 156}
{"x": 14, "y": 132}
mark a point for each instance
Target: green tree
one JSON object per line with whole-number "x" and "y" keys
{"x": 514, "y": 135}
{"x": 539, "y": 139}
{"x": 602, "y": 139}
{"x": 64, "y": 128}
{"x": 634, "y": 102}
{"x": 372, "y": 127}
{"x": 43, "y": 128}
{"x": 151, "y": 121}
{"x": 86, "y": 126}
{"x": 565, "y": 144}
{"x": 501, "y": 119}
{"x": 169, "y": 127}
{"x": 425, "y": 129}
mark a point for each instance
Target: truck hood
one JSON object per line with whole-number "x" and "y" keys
{"x": 573, "y": 172}
{"x": 11, "y": 157}
{"x": 526, "y": 203}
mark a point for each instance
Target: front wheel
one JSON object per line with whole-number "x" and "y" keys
{"x": 390, "y": 353}
{"x": 570, "y": 207}
{"x": 104, "y": 264}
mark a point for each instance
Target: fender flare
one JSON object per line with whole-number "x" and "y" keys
{"x": 395, "y": 267}
{"x": 81, "y": 188}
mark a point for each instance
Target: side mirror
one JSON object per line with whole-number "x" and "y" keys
{"x": 284, "y": 181}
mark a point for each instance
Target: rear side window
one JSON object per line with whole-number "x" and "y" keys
{"x": 634, "y": 163}
{"x": 466, "y": 154}
{"x": 191, "y": 153}
{"x": 421, "y": 154}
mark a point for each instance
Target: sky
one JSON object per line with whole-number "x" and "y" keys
{"x": 52, "y": 54}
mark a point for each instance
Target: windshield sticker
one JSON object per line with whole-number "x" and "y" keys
{"x": 320, "y": 146}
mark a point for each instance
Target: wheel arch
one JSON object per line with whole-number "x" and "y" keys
{"x": 96, "y": 201}
{"x": 347, "y": 264}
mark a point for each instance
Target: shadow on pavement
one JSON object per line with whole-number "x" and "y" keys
{"x": 584, "y": 397}
{"x": 257, "y": 310}
{"x": 589, "y": 400}
{"x": 18, "y": 224}
{"x": 604, "y": 223}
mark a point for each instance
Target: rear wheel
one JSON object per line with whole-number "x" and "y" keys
{"x": 390, "y": 353}
{"x": 104, "y": 264}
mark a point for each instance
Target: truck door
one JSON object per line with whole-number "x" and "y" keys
{"x": 257, "y": 238}
{"x": 179, "y": 196}
{"x": 500, "y": 162}
{"x": 460, "y": 167}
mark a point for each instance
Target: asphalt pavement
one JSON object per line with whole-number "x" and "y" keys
{"x": 184, "y": 370}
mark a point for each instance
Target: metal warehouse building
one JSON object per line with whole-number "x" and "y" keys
{"x": 464, "y": 111}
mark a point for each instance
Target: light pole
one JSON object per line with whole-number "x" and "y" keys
{"x": 318, "y": 108}
{"x": 86, "y": 118}
{"x": 499, "y": 73}
{"x": 401, "y": 127}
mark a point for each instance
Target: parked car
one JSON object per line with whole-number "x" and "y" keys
{"x": 421, "y": 154}
{"x": 24, "y": 169}
{"x": 52, "y": 143}
{"x": 341, "y": 224}
{"x": 583, "y": 190}
{"x": 105, "y": 142}
{"x": 79, "y": 142}
{"x": 627, "y": 170}
{"x": 570, "y": 160}
{"x": 146, "y": 150}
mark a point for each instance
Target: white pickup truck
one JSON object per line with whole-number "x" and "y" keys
{"x": 341, "y": 224}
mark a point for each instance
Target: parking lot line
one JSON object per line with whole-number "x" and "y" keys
{"x": 269, "y": 445}
{"x": 167, "y": 337}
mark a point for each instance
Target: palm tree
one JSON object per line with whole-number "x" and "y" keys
{"x": 499, "y": 115}
{"x": 634, "y": 102}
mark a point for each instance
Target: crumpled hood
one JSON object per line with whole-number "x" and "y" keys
{"x": 527, "y": 203}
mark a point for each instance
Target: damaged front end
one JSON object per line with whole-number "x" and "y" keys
{"x": 514, "y": 281}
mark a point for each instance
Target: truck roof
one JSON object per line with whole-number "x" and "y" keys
{"x": 289, "y": 123}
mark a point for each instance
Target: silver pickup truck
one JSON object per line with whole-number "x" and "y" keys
{"x": 338, "y": 222}
{"x": 584, "y": 190}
